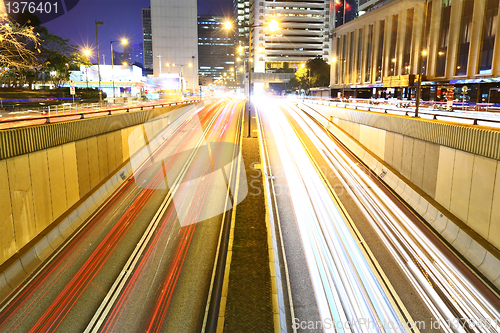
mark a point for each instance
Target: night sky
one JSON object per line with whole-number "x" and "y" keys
{"x": 122, "y": 19}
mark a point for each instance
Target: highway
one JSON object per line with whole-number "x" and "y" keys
{"x": 145, "y": 259}
{"x": 372, "y": 266}
{"x": 356, "y": 258}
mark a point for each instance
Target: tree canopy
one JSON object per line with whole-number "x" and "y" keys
{"x": 29, "y": 52}
{"x": 314, "y": 73}
{"x": 18, "y": 45}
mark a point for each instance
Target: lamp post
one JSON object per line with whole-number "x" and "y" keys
{"x": 87, "y": 54}
{"x": 421, "y": 54}
{"x": 272, "y": 26}
{"x": 193, "y": 57}
{"x": 98, "y": 63}
{"x": 123, "y": 42}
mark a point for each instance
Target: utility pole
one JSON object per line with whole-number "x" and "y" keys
{"x": 98, "y": 62}
{"x": 193, "y": 57}
{"x": 421, "y": 53}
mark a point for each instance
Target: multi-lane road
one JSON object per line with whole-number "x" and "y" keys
{"x": 372, "y": 266}
{"x": 145, "y": 260}
{"x": 355, "y": 258}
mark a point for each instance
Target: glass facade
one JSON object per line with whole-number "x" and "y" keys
{"x": 360, "y": 56}
{"x": 380, "y": 51}
{"x": 351, "y": 58}
{"x": 147, "y": 38}
{"x": 488, "y": 36}
{"x": 444, "y": 34}
{"x": 393, "y": 45}
{"x": 407, "y": 43}
{"x": 464, "y": 38}
{"x": 368, "y": 68}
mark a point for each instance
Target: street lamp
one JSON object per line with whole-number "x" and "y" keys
{"x": 421, "y": 54}
{"x": 87, "y": 54}
{"x": 272, "y": 25}
{"x": 123, "y": 42}
{"x": 98, "y": 62}
{"x": 193, "y": 57}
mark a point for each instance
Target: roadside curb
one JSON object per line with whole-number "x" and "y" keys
{"x": 274, "y": 264}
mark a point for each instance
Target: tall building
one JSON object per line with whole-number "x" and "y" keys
{"x": 132, "y": 53}
{"x": 147, "y": 38}
{"x": 377, "y": 54}
{"x": 215, "y": 47}
{"x": 175, "y": 39}
{"x": 343, "y": 11}
{"x": 242, "y": 14}
{"x": 304, "y": 30}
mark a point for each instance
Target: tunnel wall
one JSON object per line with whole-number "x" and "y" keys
{"x": 465, "y": 183}
{"x": 450, "y": 182}
{"x": 40, "y": 186}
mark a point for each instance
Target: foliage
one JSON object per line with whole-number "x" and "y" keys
{"x": 314, "y": 73}
{"x": 18, "y": 45}
{"x": 40, "y": 56}
{"x": 319, "y": 72}
{"x": 58, "y": 57}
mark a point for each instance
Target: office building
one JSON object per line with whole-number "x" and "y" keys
{"x": 147, "y": 37}
{"x": 175, "y": 40}
{"x": 343, "y": 11}
{"x": 216, "y": 47}
{"x": 377, "y": 54}
{"x": 304, "y": 29}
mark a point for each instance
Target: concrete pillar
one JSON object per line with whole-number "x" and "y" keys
{"x": 454, "y": 33}
{"x": 334, "y": 62}
{"x": 475, "y": 43}
{"x": 495, "y": 70}
{"x": 403, "y": 16}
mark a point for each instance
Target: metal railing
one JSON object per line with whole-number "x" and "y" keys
{"x": 490, "y": 118}
{"x": 68, "y": 111}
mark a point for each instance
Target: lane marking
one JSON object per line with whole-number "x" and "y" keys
{"x": 228, "y": 199}
{"x": 269, "y": 199}
{"x": 225, "y": 285}
{"x": 108, "y": 302}
{"x": 403, "y": 314}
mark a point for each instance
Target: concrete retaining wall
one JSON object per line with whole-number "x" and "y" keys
{"x": 39, "y": 187}
{"x": 457, "y": 192}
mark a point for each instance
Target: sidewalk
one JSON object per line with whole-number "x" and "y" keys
{"x": 249, "y": 303}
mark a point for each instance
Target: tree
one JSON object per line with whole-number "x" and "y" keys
{"x": 319, "y": 72}
{"x": 314, "y": 73}
{"x": 18, "y": 45}
{"x": 57, "y": 57}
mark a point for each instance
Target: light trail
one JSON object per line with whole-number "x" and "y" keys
{"x": 45, "y": 278}
{"x": 455, "y": 302}
{"x": 350, "y": 296}
{"x": 195, "y": 194}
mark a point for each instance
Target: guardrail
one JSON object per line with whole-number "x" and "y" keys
{"x": 471, "y": 118}
{"x": 83, "y": 111}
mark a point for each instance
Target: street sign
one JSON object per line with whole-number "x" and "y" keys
{"x": 72, "y": 90}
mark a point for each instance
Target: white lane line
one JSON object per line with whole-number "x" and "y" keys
{"x": 108, "y": 302}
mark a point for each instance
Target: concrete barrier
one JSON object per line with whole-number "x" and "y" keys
{"x": 43, "y": 185}
{"x": 463, "y": 239}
